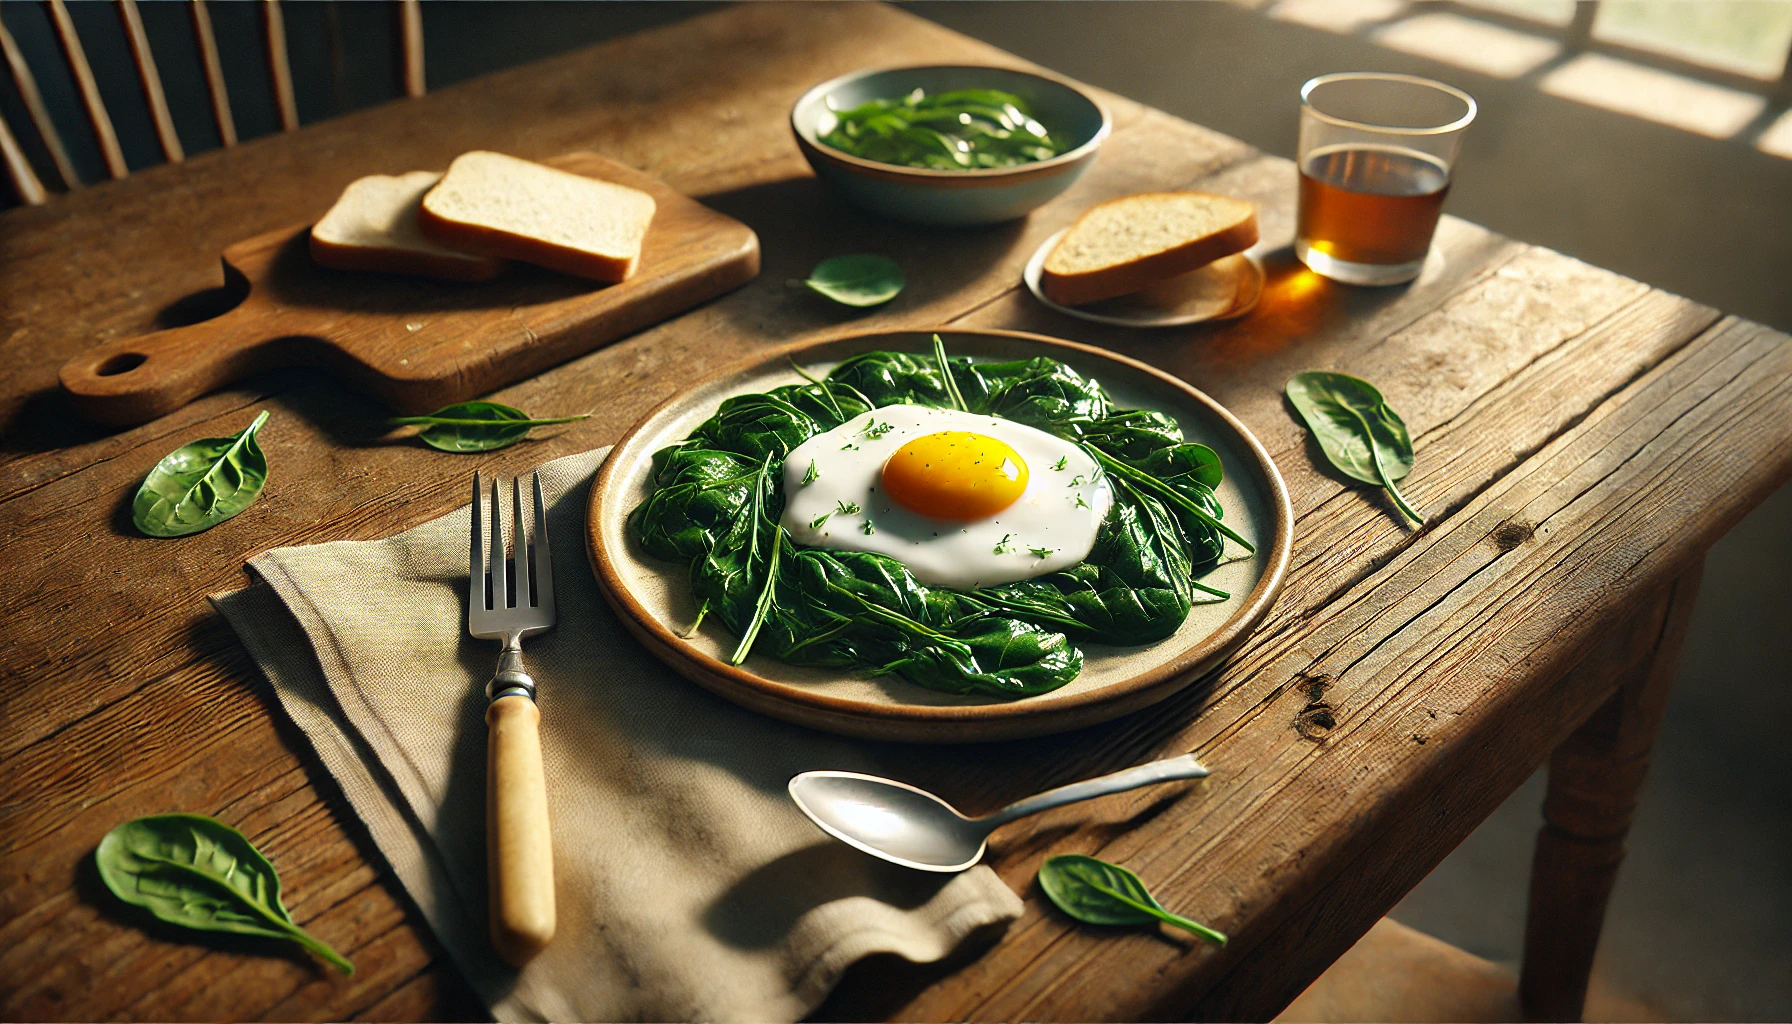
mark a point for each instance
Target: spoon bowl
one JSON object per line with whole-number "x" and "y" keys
{"x": 911, "y": 827}
{"x": 891, "y": 820}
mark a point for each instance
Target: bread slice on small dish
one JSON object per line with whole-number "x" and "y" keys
{"x": 1125, "y": 245}
{"x": 373, "y": 226}
{"x": 516, "y": 209}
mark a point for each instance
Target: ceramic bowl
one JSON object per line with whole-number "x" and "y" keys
{"x": 955, "y": 198}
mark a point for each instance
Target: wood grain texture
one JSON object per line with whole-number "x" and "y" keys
{"x": 150, "y": 80}
{"x": 26, "y": 83}
{"x": 418, "y": 344}
{"x": 1581, "y": 438}
{"x": 214, "y": 72}
{"x": 82, "y": 73}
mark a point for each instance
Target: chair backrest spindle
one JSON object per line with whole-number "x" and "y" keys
{"x": 410, "y": 35}
{"x": 274, "y": 25}
{"x": 24, "y": 179}
{"x": 18, "y": 165}
{"x": 40, "y": 118}
{"x": 152, "y": 82}
{"x": 90, "y": 91}
{"x": 214, "y": 72}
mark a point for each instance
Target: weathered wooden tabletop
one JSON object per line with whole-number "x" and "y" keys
{"x": 1582, "y": 438}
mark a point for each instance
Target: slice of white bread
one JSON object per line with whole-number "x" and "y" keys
{"x": 516, "y": 209}
{"x": 373, "y": 226}
{"x": 1124, "y": 245}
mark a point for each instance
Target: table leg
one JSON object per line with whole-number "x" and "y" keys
{"x": 1595, "y": 777}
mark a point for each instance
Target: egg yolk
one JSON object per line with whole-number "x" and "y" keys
{"x": 955, "y": 475}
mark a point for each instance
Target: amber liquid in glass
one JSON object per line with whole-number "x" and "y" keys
{"x": 1370, "y": 205}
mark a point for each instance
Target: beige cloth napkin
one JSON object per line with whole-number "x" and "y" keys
{"x": 689, "y": 886}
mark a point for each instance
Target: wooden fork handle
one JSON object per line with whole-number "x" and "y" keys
{"x": 519, "y": 848}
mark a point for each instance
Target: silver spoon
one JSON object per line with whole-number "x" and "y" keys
{"x": 916, "y": 829}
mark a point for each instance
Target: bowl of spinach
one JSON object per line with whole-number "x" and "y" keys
{"x": 949, "y": 144}
{"x": 684, "y": 538}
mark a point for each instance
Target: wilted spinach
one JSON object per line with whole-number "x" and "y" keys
{"x": 718, "y": 496}
{"x": 964, "y": 129}
{"x": 858, "y": 280}
{"x": 201, "y": 484}
{"x": 1096, "y": 892}
{"x": 1359, "y": 434}
{"x": 193, "y": 871}
{"x": 475, "y": 426}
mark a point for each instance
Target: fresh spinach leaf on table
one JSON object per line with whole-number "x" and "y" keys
{"x": 195, "y": 872}
{"x": 1359, "y": 434}
{"x": 476, "y": 426}
{"x": 201, "y": 484}
{"x": 718, "y": 497}
{"x": 1096, "y": 892}
{"x": 859, "y": 280}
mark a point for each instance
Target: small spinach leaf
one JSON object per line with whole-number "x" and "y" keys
{"x": 1096, "y": 892}
{"x": 475, "y": 426}
{"x": 201, "y": 484}
{"x": 193, "y": 871}
{"x": 858, "y": 280}
{"x": 1359, "y": 434}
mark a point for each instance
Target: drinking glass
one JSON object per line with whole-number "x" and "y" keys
{"x": 1376, "y": 152}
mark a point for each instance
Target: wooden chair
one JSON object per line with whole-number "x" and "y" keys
{"x": 25, "y": 182}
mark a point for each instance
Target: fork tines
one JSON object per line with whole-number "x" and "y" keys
{"x": 491, "y": 606}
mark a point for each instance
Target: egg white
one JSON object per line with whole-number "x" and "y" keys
{"x": 1058, "y": 513}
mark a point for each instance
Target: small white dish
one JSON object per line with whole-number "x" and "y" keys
{"x": 1225, "y": 289}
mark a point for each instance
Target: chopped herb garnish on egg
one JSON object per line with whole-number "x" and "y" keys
{"x": 1042, "y": 552}
{"x": 1002, "y": 546}
{"x": 869, "y": 528}
{"x": 811, "y": 475}
{"x": 1063, "y": 461}
{"x": 820, "y": 520}
{"x": 846, "y": 508}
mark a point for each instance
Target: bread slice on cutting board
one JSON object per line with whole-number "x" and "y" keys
{"x": 1127, "y": 244}
{"x": 373, "y": 226}
{"x": 516, "y": 209}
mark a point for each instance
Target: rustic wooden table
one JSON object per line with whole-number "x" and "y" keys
{"x": 1582, "y": 439}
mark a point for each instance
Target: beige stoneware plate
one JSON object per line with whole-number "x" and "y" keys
{"x": 654, "y": 601}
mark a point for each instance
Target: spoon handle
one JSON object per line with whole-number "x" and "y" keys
{"x": 1166, "y": 770}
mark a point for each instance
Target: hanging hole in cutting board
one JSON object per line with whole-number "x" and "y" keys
{"x": 124, "y": 362}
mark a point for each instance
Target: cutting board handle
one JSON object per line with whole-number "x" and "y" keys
{"x": 135, "y": 380}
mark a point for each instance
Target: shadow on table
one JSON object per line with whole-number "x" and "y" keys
{"x": 800, "y": 222}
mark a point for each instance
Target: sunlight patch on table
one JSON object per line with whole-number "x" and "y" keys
{"x": 1550, "y": 12}
{"x": 1341, "y": 16}
{"x": 1468, "y": 43}
{"x": 1653, "y": 95}
{"x": 1777, "y": 139}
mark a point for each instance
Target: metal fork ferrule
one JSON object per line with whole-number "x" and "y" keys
{"x": 510, "y": 679}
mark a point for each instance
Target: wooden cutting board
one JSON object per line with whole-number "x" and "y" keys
{"x": 416, "y": 343}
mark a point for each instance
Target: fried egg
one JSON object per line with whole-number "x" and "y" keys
{"x": 962, "y": 500}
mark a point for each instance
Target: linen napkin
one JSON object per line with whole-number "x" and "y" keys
{"x": 689, "y": 886}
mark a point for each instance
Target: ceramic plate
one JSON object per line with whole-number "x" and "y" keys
{"x": 1222, "y": 290}
{"x": 653, "y": 598}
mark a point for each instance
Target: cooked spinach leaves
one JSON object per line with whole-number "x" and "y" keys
{"x": 960, "y": 130}
{"x": 718, "y": 496}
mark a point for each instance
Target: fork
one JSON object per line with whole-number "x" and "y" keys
{"x": 519, "y": 851}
